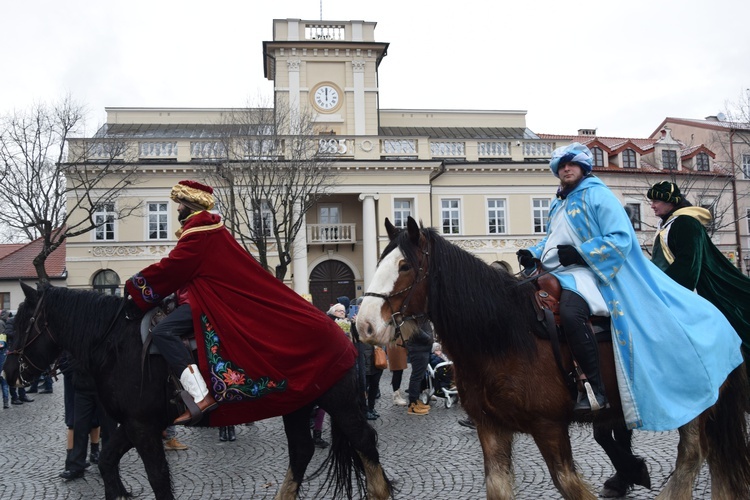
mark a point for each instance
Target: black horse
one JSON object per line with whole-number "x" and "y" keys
{"x": 96, "y": 332}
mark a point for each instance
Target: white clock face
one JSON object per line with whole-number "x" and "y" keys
{"x": 326, "y": 97}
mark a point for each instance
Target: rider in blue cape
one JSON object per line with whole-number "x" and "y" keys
{"x": 673, "y": 349}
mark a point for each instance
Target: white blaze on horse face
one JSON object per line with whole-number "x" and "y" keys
{"x": 370, "y": 323}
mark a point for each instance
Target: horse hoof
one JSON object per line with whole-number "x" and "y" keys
{"x": 615, "y": 487}
{"x": 644, "y": 479}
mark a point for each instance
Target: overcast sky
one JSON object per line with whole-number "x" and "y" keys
{"x": 617, "y": 66}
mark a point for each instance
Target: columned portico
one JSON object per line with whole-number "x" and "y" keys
{"x": 369, "y": 236}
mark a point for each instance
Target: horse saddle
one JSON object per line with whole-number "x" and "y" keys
{"x": 547, "y": 307}
{"x": 153, "y": 318}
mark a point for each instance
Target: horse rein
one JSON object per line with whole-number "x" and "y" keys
{"x": 397, "y": 318}
{"x": 23, "y": 361}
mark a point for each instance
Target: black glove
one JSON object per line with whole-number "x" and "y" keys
{"x": 132, "y": 311}
{"x": 526, "y": 258}
{"x": 569, "y": 256}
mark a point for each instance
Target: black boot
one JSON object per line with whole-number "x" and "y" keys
{"x": 69, "y": 473}
{"x": 587, "y": 355}
{"x": 318, "y": 439}
{"x": 223, "y": 434}
{"x": 94, "y": 455}
{"x": 230, "y": 433}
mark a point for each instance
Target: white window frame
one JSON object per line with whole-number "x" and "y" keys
{"x": 162, "y": 218}
{"x": 325, "y": 219}
{"x": 636, "y": 223}
{"x": 503, "y": 210}
{"x": 107, "y": 226}
{"x": 746, "y": 165}
{"x": 401, "y": 213}
{"x": 538, "y": 211}
{"x": 709, "y": 203}
{"x": 449, "y": 211}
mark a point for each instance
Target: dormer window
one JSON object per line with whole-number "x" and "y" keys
{"x": 701, "y": 162}
{"x": 598, "y": 157}
{"x": 628, "y": 159}
{"x": 669, "y": 160}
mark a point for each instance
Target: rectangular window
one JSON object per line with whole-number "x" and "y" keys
{"x": 401, "y": 212}
{"x": 262, "y": 219}
{"x": 748, "y": 220}
{"x": 669, "y": 160}
{"x": 104, "y": 219}
{"x": 746, "y": 166}
{"x": 450, "y": 214}
{"x": 541, "y": 214}
{"x": 496, "y": 216}
{"x": 710, "y": 205}
{"x": 634, "y": 214}
{"x": 158, "y": 219}
{"x": 4, "y": 301}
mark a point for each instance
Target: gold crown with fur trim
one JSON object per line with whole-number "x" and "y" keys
{"x": 193, "y": 192}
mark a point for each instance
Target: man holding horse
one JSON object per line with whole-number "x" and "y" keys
{"x": 246, "y": 348}
{"x": 684, "y": 250}
{"x": 591, "y": 248}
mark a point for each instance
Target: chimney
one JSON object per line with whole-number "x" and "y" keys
{"x": 591, "y": 132}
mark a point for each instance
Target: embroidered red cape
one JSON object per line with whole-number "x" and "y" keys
{"x": 263, "y": 350}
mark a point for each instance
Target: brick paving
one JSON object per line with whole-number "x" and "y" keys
{"x": 428, "y": 457}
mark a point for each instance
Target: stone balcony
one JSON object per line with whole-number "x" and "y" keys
{"x": 331, "y": 234}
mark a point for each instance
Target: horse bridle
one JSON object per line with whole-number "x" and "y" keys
{"x": 397, "y": 317}
{"x": 24, "y": 361}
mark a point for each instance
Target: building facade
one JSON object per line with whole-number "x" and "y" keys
{"x": 480, "y": 177}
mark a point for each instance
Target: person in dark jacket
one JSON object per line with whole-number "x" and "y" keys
{"x": 17, "y": 395}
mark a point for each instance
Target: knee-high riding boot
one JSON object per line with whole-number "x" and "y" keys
{"x": 192, "y": 380}
{"x": 586, "y": 353}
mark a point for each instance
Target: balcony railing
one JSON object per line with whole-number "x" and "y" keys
{"x": 321, "y": 234}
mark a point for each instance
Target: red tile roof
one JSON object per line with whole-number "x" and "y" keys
{"x": 17, "y": 261}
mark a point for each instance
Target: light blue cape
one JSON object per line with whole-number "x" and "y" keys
{"x": 673, "y": 349}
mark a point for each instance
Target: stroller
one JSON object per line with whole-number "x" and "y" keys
{"x": 438, "y": 382}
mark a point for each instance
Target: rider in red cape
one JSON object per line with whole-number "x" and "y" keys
{"x": 262, "y": 349}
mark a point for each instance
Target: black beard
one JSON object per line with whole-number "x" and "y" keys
{"x": 183, "y": 213}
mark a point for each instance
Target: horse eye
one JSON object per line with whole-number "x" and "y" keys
{"x": 404, "y": 267}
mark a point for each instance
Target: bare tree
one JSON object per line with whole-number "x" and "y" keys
{"x": 277, "y": 166}
{"x": 42, "y": 174}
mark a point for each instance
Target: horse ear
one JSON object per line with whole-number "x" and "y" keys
{"x": 29, "y": 292}
{"x": 390, "y": 229}
{"x": 413, "y": 229}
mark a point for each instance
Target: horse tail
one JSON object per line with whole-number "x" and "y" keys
{"x": 727, "y": 433}
{"x": 346, "y": 465}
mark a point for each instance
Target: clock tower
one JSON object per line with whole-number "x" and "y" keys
{"x": 328, "y": 69}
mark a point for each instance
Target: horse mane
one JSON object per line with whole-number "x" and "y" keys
{"x": 474, "y": 307}
{"x": 83, "y": 317}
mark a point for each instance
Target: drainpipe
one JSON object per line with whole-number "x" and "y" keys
{"x": 737, "y": 236}
{"x": 432, "y": 179}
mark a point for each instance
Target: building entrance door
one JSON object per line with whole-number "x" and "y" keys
{"x": 329, "y": 280}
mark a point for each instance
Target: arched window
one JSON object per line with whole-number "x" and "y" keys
{"x": 107, "y": 282}
{"x": 628, "y": 159}
{"x": 701, "y": 162}
{"x": 598, "y": 157}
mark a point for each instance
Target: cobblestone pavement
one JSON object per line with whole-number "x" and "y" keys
{"x": 428, "y": 457}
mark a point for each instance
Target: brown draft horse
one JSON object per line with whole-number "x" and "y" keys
{"x": 507, "y": 376}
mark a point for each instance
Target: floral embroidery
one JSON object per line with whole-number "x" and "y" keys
{"x": 230, "y": 383}
{"x": 614, "y": 309}
{"x": 147, "y": 292}
{"x": 601, "y": 252}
